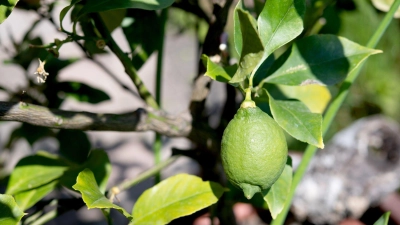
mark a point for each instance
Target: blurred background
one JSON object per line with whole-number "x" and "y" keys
{"x": 95, "y": 81}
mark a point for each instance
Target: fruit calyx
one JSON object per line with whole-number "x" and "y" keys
{"x": 248, "y": 103}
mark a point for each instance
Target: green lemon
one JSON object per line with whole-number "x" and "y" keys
{"x": 254, "y": 150}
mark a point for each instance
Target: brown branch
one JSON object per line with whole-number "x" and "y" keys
{"x": 139, "y": 120}
{"x": 210, "y": 47}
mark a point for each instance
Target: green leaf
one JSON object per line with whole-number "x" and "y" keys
{"x": 74, "y": 145}
{"x": 91, "y": 194}
{"x": 34, "y": 171}
{"x": 113, "y": 18}
{"x": 384, "y": 5}
{"x": 383, "y": 220}
{"x": 280, "y": 22}
{"x": 237, "y": 32}
{"x": 175, "y": 197}
{"x": 217, "y": 72}
{"x": 104, "y": 5}
{"x": 296, "y": 119}
{"x": 142, "y": 30}
{"x": 30, "y": 132}
{"x": 276, "y": 195}
{"x": 82, "y": 92}
{"x": 97, "y": 162}
{"x": 10, "y": 213}
{"x": 65, "y": 10}
{"x": 315, "y": 97}
{"x": 318, "y": 59}
{"x": 27, "y": 199}
{"x": 263, "y": 68}
{"x": 252, "y": 50}
{"x": 6, "y": 7}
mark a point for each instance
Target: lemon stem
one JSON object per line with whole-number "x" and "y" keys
{"x": 248, "y": 94}
{"x": 248, "y": 102}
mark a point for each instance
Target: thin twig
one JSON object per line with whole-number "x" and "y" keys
{"x": 126, "y": 62}
{"x": 143, "y": 176}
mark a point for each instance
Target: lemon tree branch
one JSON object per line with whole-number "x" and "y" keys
{"x": 139, "y": 120}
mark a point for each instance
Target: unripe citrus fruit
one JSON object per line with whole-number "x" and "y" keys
{"x": 254, "y": 150}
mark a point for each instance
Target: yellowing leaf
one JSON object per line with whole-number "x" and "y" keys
{"x": 314, "y": 96}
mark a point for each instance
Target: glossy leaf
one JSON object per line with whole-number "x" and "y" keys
{"x": 217, "y": 72}
{"x": 263, "y": 68}
{"x": 383, "y": 220}
{"x": 276, "y": 196}
{"x": 175, "y": 197}
{"x": 6, "y": 7}
{"x": 142, "y": 30}
{"x": 318, "y": 59}
{"x": 27, "y": 199}
{"x": 83, "y": 92}
{"x": 34, "y": 171}
{"x": 296, "y": 119}
{"x": 10, "y": 213}
{"x": 280, "y": 22}
{"x": 384, "y": 5}
{"x": 315, "y": 97}
{"x": 91, "y": 194}
{"x": 237, "y": 32}
{"x": 97, "y": 162}
{"x": 104, "y": 5}
{"x": 74, "y": 145}
{"x": 252, "y": 49}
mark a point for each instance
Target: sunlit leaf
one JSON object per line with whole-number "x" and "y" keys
{"x": 91, "y": 194}
{"x": 217, "y": 72}
{"x": 175, "y": 197}
{"x": 296, "y": 119}
{"x": 237, "y": 32}
{"x": 6, "y": 7}
{"x": 252, "y": 49}
{"x": 34, "y": 171}
{"x": 383, "y": 220}
{"x": 97, "y": 162}
{"x": 315, "y": 97}
{"x": 276, "y": 196}
{"x": 27, "y": 199}
{"x": 318, "y": 59}
{"x": 280, "y": 21}
{"x": 10, "y": 213}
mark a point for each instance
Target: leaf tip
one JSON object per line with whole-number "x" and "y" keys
{"x": 321, "y": 145}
